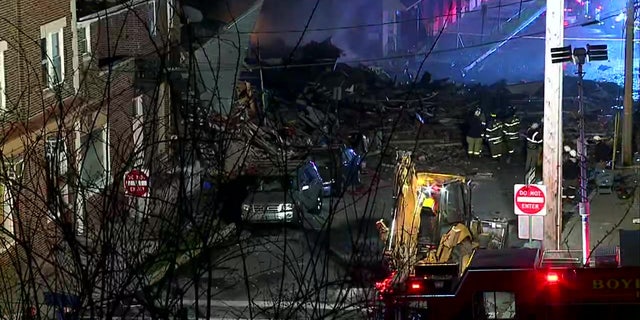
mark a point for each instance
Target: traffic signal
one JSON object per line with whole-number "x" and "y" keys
{"x": 597, "y": 52}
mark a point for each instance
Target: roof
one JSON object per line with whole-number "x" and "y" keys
{"x": 526, "y": 88}
{"x": 89, "y": 7}
{"x": 225, "y": 51}
{"x": 504, "y": 259}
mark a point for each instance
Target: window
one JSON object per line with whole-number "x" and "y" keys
{"x": 170, "y": 13}
{"x": 84, "y": 40}
{"x": 56, "y": 156}
{"x": 95, "y": 160}
{"x": 137, "y": 115}
{"x": 52, "y": 52}
{"x": 57, "y": 166}
{"x": 495, "y": 305}
{"x": 152, "y": 18}
{"x": 7, "y": 213}
{"x": 3, "y": 86}
{"x": 12, "y": 170}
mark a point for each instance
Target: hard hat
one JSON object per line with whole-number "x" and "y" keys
{"x": 573, "y": 153}
{"x": 478, "y": 112}
{"x": 429, "y": 203}
{"x": 493, "y": 115}
{"x": 534, "y": 125}
{"x": 567, "y": 149}
{"x": 597, "y": 138}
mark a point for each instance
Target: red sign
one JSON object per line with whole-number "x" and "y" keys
{"x": 136, "y": 183}
{"x": 529, "y": 199}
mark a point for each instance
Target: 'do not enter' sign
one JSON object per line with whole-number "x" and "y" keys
{"x": 529, "y": 199}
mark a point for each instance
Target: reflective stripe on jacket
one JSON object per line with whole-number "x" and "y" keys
{"x": 494, "y": 131}
{"x": 534, "y": 139}
{"x": 511, "y": 128}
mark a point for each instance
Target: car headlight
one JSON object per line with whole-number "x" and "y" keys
{"x": 246, "y": 207}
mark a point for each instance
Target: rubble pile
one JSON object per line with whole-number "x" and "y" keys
{"x": 332, "y": 103}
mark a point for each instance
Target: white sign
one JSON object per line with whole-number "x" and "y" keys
{"x": 531, "y": 224}
{"x": 530, "y": 200}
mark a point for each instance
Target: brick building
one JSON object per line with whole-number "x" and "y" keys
{"x": 121, "y": 48}
{"x": 82, "y": 101}
{"x": 37, "y": 86}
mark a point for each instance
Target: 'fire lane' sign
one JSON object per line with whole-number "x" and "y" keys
{"x": 529, "y": 199}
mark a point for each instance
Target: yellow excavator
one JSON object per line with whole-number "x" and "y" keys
{"x": 433, "y": 227}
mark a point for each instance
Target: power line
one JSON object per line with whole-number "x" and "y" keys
{"x": 608, "y": 15}
{"x": 405, "y": 56}
{"x": 369, "y": 25}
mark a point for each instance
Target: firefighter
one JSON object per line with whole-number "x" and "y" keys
{"x": 494, "y": 136}
{"x": 428, "y": 221}
{"x": 428, "y": 206}
{"x": 602, "y": 152}
{"x": 570, "y": 173}
{"x": 511, "y": 131}
{"x": 534, "y": 146}
{"x": 475, "y": 132}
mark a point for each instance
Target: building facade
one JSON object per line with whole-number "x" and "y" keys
{"x": 410, "y": 25}
{"x": 81, "y": 101}
{"x": 38, "y": 83}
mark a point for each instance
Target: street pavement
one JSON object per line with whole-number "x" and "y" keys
{"x": 327, "y": 261}
{"x": 295, "y": 272}
{"x": 522, "y": 58}
{"x": 322, "y": 268}
{"x": 471, "y": 36}
{"x": 608, "y": 215}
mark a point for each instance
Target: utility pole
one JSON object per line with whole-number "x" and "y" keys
{"x": 627, "y": 124}
{"x": 520, "y": 10}
{"x": 484, "y": 16}
{"x": 583, "y": 207}
{"x": 552, "y": 146}
{"x": 579, "y": 56}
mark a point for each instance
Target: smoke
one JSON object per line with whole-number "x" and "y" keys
{"x": 281, "y": 15}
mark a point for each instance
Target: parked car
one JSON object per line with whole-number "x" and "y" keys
{"x": 339, "y": 168}
{"x": 284, "y": 197}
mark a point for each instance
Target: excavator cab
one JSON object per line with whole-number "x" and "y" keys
{"x": 445, "y": 217}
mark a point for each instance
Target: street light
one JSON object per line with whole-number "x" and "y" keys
{"x": 580, "y": 56}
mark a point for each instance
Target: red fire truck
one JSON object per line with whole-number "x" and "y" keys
{"x": 514, "y": 284}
